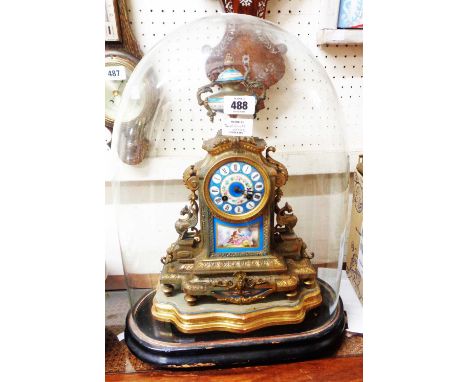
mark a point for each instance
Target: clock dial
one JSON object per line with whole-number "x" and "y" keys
{"x": 119, "y": 67}
{"x": 237, "y": 189}
{"x": 114, "y": 90}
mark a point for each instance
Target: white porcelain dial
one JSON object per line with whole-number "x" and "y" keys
{"x": 118, "y": 68}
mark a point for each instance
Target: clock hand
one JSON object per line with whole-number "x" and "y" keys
{"x": 116, "y": 92}
{"x": 248, "y": 193}
{"x": 118, "y": 89}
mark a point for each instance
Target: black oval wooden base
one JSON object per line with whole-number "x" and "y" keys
{"x": 162, "y": 345}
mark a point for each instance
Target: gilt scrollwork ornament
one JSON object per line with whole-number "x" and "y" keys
{"x": 189, "y": 220}
{"x": 285, "y": 218}
{"x": 305, "y": 253}
{"x": 169, "y": 257}
{"x": 239, "y": 282}
{"x": 283, "y": 175}
{"x": 241, "y": 289}
{"x": 186, "y": 226}
{"x": 190, "y": 178}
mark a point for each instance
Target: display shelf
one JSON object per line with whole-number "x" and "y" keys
{"x": 339, "y": 36}
{"x": 328, "y": 32}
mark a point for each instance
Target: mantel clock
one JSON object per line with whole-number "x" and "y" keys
{"x": 246, "y": 248}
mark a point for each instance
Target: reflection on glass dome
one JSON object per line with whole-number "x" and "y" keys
{"x": 222, "y": 226}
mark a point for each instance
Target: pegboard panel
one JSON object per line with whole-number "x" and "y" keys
{"x": 185, "y": 124}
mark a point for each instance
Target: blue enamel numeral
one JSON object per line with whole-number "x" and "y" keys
{"x": 236, "y": 188}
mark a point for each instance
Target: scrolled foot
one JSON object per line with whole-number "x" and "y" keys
{"x": 191, "y": 300}
{"x": 167, "y": 289}
{"x": 309, "y": 283}
{"x": 291, "y": 295}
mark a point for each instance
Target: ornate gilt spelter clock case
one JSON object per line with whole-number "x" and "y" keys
{"x": 246, "y": 248}
{"x": 244, "y": 278}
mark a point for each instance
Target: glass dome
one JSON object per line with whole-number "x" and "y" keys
{"x": 161, "y": 128}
